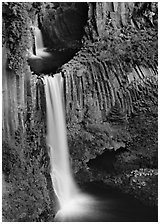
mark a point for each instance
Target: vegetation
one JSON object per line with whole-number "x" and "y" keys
{"x": 17, "y": 19}
{"x": 133, "y": 169}
{"x": 26, "y": 165}
{"x": 129, "y": 45}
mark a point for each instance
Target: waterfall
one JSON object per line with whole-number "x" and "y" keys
{"x": 72, "y": 201}
{"x": 40, "y": 50}
{"x": 64, "y": 185}
{"x": 38, "y": 37}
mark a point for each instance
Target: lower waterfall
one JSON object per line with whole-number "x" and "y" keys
{"x": 71, "y": 199}
{"x": 64, "y": 185}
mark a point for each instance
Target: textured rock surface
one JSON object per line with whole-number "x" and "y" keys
{"x": 102, "y": 86}
{"x": 24, "y": 147}
{"x": 102, "y": 90}
{"x": 134, "y": 169}
{"x": 25, "y": 159}
{"x": 63, "y": 24}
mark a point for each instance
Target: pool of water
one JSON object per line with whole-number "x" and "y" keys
{"x": 107, "y": 205}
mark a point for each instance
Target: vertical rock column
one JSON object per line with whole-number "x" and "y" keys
{"x": 19, "y": 99}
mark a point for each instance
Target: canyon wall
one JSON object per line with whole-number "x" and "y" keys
{"x": 107, "y": 54}
{"x": 109, "y": 78}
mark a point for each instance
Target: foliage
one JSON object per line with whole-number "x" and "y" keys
{"x": 17, "y": 17}
{"x": 129, "y": 45}
{"x": 143, "y": 129}
{"x": 134, "y": 169}
{"x": 138, "y": 177}
{"x": 25, "y": 165}
{"x": 134, "y": 42}
{"x": 143, "y": 182}
{"x": 145, "y": 14}
{"x": 90, "y": 139}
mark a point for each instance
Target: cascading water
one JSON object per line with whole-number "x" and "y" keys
{"x": 41, "y": 51}
{"x": 62, "y": 179}
{"x": 38, "y": 37}
{"x": 72, "y": 202}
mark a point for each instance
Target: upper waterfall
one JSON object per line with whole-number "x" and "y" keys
{"x": 40, "y": 50}
{"x": 38, "y": 37}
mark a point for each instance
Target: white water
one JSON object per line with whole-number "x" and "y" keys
{"x": 62, "y": 179}
{"x": 40, "y": 49}
{"x": 38, "y": 37}
{"x": 73, "y": 204}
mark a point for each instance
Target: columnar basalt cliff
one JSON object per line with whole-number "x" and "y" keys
{"x": 107, "y": 54}
{"x": 109, "y": 77}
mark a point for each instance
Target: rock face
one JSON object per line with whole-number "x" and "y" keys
{"x": 23, "y": 137}
{"x": 63, "y": 24}
{"x": 120, "y": 14}
{"x": 25, "y": 158}
{"x": 18, "y": 98}
{"x": 102, "y": 84}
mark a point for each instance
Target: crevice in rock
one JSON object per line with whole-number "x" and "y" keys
{"x": 106, "y": 161}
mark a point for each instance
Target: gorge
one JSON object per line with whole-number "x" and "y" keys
{"x": 105, "y": 56}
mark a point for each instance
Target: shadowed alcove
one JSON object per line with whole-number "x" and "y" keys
{"x": 62, "y": 26}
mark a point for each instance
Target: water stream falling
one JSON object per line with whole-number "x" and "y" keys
{"x": 62, "y": 179}
{"x": 41, "y": 51}
{"x": 71, "y": 200}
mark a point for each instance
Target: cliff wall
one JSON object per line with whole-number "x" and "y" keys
{"x": 107, "y": 54}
